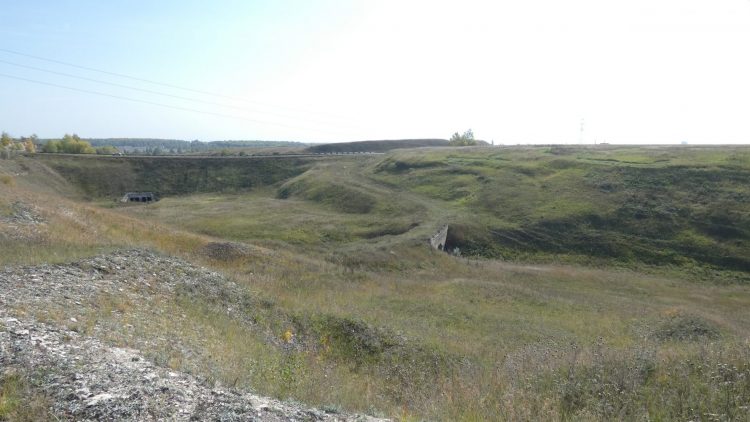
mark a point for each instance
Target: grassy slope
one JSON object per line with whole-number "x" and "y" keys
{"x": 679, "y": 208}
{"x": 662, "y": 206}
{"x": 376, "y": 146}
{"x": 111, "y": 177}
{"x": 484, "y": 339}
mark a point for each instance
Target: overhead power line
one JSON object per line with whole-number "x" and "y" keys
{"x": 164, "y": 94}
{"x": 135, "y": 78}
{"x": 119, "y": 75}
{"x": 136, "y": 100}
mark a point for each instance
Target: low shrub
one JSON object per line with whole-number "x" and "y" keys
{"x": 18, "y": 400}
{"x": 686, "y": 327}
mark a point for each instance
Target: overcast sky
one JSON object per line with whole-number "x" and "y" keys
{"x": 637, "y": 71}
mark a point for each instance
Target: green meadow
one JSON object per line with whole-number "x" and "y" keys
{"x": 583, "y": 283}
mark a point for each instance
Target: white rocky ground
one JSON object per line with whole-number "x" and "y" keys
{"x": 86, "y": 378}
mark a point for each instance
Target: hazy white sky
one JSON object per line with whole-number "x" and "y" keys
{"x": 658, "y": 71}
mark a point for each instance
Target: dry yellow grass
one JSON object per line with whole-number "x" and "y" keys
{"x": 483, "y": 339}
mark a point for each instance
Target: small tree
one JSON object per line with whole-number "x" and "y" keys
{"x": 69, "y": 144}
{"x": 106, "y": 150}
{"x": 51, "y": 146}
{"x": 467, "y": 139}
{"x": 5, "y": 139}
{"x": 30, "y": 143}
{"x": 29, "y": 146}
{"x": 73, "y": 144}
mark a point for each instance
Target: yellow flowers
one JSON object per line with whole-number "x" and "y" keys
{"x": 671, "y": 312}
{"x": 7, "y": 180}
{"x": 288, "y": 336}
{"x": 325, "y": 342}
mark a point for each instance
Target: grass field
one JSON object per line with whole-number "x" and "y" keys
{"x": 593, "y": 283}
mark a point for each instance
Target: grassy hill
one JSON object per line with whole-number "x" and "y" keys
{"x": 110, "y": 177}
{"x": 661, "y": 206}
{"x": 376, "y": 146}
{"x": 594, "y": 283}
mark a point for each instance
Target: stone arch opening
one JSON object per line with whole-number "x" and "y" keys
{"x": 438, "y": 240}
{"x": 139, "y": 197}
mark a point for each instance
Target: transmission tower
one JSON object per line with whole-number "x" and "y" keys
{"x": 580, "y": 139}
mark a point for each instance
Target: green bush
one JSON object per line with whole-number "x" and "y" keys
{"x": 69, "y": 144}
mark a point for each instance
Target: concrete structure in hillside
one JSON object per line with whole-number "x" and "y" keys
{"x": 437, "y": 241}
{"x": 138, "y": 197}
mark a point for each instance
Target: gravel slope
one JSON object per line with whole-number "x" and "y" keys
{"x": 87, "y": 379}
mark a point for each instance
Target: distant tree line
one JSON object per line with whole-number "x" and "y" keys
{"x": 69, "y": 144}
{"x": 73, "y": 144}
{"x": 10, "y": 145}
{"x": 150, "y": 146}
{"x": 137, "y": 142}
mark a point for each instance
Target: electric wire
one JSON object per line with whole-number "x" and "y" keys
{"x": 164, "y": 94}
{"x": 121, "y": 75}
{"x": 136, "y": 100}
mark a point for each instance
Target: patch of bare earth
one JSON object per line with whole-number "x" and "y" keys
{"x": 86, "y": 378}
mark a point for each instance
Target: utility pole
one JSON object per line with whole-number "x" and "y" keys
{"x": 580, "y": 139}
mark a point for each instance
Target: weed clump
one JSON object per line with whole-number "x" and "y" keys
{"x": 18, "y": 401}
{"x": 686, "y": 327}
{"x": 225, "y": 251}
{"x": 348, "y": 338}
{"x": 710, "y": 384}
{"x": 7, "y": 180}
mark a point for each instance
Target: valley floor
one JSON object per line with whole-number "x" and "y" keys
{"x": 326, "y": 293}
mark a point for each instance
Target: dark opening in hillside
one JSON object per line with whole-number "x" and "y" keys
{"x": 461, "y": 239}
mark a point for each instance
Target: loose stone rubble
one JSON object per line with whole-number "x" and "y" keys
{"x": 23, "y": 223}
{"x": 87, "y": 379}
{"x": 116, "y": 273}
{"x": 23, "y": 214}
